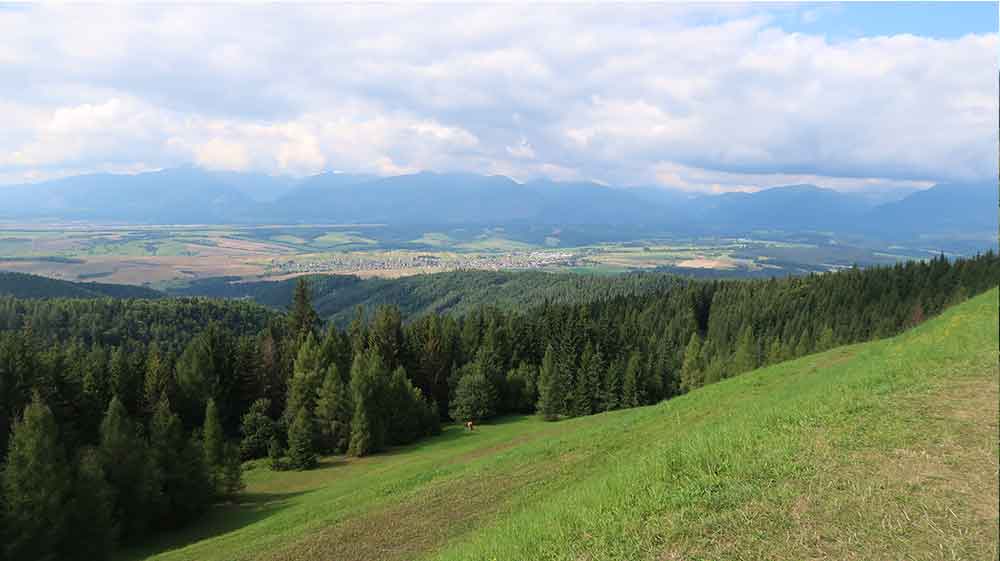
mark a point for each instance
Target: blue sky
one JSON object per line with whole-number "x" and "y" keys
{"x": 702, "y": 97}
{"x": 846, "y": 20}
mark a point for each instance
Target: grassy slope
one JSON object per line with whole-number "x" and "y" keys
{"x": 886, "y": 450}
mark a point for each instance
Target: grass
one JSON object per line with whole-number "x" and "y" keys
{"x": 885, "y": 450}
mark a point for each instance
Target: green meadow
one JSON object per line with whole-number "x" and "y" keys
{"x": 877, "y": 451}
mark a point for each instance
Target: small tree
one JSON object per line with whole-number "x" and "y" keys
{"x": 301, "y": 454}
{"x": 258, "y": 429}
{"x": 475, "y": 398}
{"x": 231, "y": 476}
{"x": 276, "y": 454}
{"x": 361, "y": 432}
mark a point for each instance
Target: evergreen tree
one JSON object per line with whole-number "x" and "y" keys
{"x": 257, "y": 429}
{"x": 36, "y": 486}
{"x": 232, "y": 471}
{"x": 213, "y": 445}
{"x": 333, "y": 412}
{"x": 92, "y": 530}
{"x": 692, "y": 375}
{"x": 475, "y": 397}
{"x": 551, "y": 394}
{"x": 127, "y": 469}
{"x": 745, "y": 357}
{"x": 276, "y": 454}
{"x": 361, "y": 433}
{"x": 633, "y": 390}
{"x": 182, "y": 483}
{"x": 302, "y": 318}
{"x": 587, "y": 389}
{"x": 301, "y": 453}
{"x": 826, "y": 340}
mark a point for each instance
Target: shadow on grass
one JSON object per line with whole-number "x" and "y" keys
{"x": 218, "y": 520}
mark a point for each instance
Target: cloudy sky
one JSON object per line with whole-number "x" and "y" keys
{"x": 703, "y": 97}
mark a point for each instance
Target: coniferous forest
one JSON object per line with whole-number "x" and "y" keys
{"x": 121, "y": 418}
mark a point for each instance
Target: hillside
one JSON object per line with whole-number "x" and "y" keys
{"x": 337, "y": 296}
{"x": 883, "y": 450}
{"x": 21, "y": 285}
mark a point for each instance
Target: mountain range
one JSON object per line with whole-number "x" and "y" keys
{"x": 191, "y": 195}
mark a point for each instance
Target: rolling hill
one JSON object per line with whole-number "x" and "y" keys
{"x": 22, "y": 285}
{"x": 879, "y": 451}
{"x": 335, "y": 297}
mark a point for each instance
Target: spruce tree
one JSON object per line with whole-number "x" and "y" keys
{"x": 361, "y": 433}
{"x": 36, "y": 486}
{"x": 475, "y": 397}
{"x": 333, "y": 412}
{"x": 257, "y": 429}
{"x": 303, "y": 319}
{"x": 92, "y": 529}
{"x": 301, "y": 453}
{"x": 745, "y": 356}
{"x": 127, "y": 469}
{"x": 692, "y": 375}
{"x": 213, "y": 445}
{"x": 550, "y": 397}
{"x": 633, "y": 382}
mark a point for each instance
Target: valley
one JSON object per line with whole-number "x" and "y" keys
{"x": 174, "y": 255}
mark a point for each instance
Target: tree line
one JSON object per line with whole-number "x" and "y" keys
{"x": 123, "y": 417}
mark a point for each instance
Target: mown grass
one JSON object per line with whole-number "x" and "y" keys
{"x": 885, "y": 450}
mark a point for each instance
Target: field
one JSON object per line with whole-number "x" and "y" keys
{"x": 879, "y": 451}
{"x": 162, "y": 256}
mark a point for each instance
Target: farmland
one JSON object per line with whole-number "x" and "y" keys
{"x": 170, "y": 255}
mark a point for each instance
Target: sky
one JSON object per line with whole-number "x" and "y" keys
{"x": 700, "y": 97}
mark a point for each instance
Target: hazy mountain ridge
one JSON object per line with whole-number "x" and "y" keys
{"x": 192, "y": 195}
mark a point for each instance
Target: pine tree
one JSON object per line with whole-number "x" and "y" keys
{"x": 612, "y": 386}
{"x": 587, "y": 387}
{"x": 745, "y": 357}
{"x": 127, "y": 469}
{"x": 182, "y": 485}
{"x": 92, "y": 531}
{"x": 257, "y": 429}
{"x": 36, "y": 486}
{"x": 692, "y": 375}
{"x": 476, "y": 397}
{"x": 301, "y": 453}
{"x": 276, "y": 454}
{"x": 826, "y": 339}
{"x": 213, "y": 445}
{"x": 158, "y": 379}
{"x": 550, "y": 396}
{"x": 303, "y": 319}
{"x": 306, "y": 379}
{"x": 333, "y": 412}
{"x": 361, "y": 433}
{"x": 232, "y": 471}
{"x": 633, "y": 391}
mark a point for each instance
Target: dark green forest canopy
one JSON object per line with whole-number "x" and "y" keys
{"x": 147, "y": 406}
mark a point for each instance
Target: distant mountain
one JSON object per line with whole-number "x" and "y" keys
{"x": 23, "y": 285}
{"x": 191, "y": 195}
{"x": 182, "y": 195}
{"x": 795, "y": 207}
{"x": 954, "y": 209}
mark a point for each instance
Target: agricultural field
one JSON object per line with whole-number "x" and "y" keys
{"x": 168, "y": 255}
{"x": 880, "y": 451}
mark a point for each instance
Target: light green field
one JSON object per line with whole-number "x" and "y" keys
{"x": 332, "y": 239}
{"x": 879, "y": 451}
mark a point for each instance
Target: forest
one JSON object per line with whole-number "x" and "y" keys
{"x": 124, "y": 417}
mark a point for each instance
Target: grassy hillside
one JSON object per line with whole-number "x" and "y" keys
{"x": 884, "y": 450}
{"x": 22, "y": 285}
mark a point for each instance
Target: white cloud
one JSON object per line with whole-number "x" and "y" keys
{"x": 605, "y": 93}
